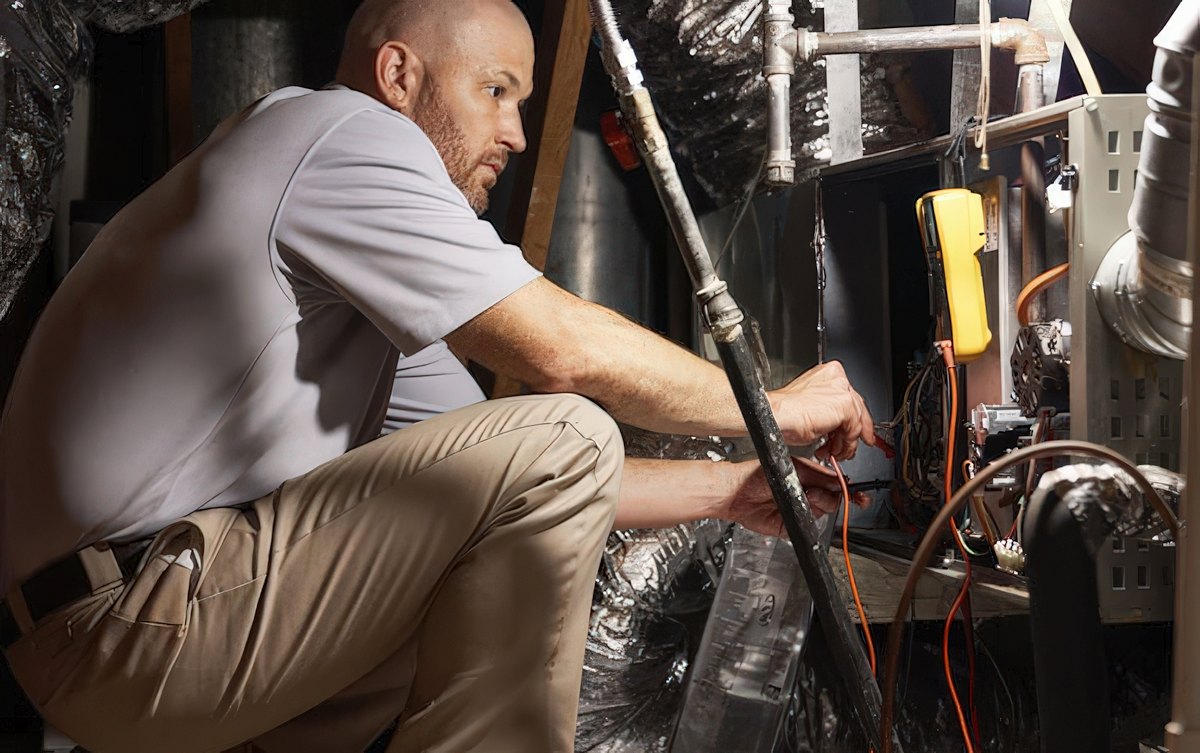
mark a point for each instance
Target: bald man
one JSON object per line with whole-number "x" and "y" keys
{"x": 203, "y": 543}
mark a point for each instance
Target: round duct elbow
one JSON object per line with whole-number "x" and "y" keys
{"x": 1145, "y": 297}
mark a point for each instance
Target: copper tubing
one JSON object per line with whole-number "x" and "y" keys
{"x": 934, "y": 533}
{"x": 1034, "y": 287}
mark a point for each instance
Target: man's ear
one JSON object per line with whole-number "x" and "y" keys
{"x": 398, "y": 75}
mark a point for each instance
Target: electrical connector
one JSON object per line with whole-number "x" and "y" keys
{"x": 1010, "y": 557}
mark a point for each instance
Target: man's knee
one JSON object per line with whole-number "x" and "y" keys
{"x": 590, "y": 420}
{"x": 591, "y": 423}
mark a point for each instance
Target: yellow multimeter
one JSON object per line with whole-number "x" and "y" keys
{"x": 953, "y": 232}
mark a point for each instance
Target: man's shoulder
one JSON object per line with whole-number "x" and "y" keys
{"x": 329, "y": 107}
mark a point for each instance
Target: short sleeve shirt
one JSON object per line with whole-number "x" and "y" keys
{"x": 240, "y": 323}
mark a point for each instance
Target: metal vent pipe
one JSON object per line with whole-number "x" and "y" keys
{"x": 1144, "y": 285}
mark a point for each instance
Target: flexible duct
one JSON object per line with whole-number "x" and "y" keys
{"x": 1148, "y": 267}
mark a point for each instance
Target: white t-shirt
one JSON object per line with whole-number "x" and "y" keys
{"x": 239, "y": 323}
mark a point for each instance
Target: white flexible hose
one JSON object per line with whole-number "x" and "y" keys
{"x": 1090, "y": 83}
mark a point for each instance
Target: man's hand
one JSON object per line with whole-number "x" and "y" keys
{"x": 821, "y": 403}
{"x": 751, "y": 504}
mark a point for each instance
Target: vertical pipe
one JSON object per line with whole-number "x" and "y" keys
{"x": 1071, "y": 671}
{"x": 779, "y": 61}
{"x": 1033, "y": 219}
{"x": 1183, "y": 732}
{"x": 1030, "y": 92}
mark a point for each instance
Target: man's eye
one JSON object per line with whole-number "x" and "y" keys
{"x": 495, "y": 91}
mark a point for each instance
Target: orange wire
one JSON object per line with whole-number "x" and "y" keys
{"x": 952, "y": 409}
{"x": 862, "y": 614}
{"x": 1036, "y": 286}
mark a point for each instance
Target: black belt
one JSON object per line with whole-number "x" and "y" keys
{"x": 63, "y": 582}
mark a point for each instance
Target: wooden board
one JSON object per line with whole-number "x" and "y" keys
{"x": 549, "y": 117}
{"x": 881, "y": 577}
{"x": 177, "y": 44}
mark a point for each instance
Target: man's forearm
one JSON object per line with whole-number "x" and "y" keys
{"x": 572, "y": 345}
{"x": 556, "y": 342}
{"x": 662, "y": 493}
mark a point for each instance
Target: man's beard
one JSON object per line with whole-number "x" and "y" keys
{"x": 435, "y": 120}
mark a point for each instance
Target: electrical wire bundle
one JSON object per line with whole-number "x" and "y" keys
{"x": 917, "y": 425}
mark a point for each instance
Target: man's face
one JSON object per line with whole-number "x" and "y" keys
{"x": 470, "y": 106}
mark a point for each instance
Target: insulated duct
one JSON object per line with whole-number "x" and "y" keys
{"x": 1144, "y": 284}
{"x": 44, "y": 47}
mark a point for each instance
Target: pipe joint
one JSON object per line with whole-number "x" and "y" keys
{"x": 1026, "y": 42}
{"x": 780, "y": 43}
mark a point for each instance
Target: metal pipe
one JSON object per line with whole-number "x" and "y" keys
{"x": 783, "y": 45}
{"x": 1183, "y": 732}
{"x": 723, "y": 319}
{"x": 1033, "y": 219}
{"x": 779, "y": 61}
{"x": 1008, "y": 33}
{"x": 1030, "y": 92}
{"x": 1144, "y": 284}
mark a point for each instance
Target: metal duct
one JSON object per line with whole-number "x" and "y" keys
{"x": 243, "y": 50}
{"x": 610, "y": 241}
{"x": 1145, "y": 281}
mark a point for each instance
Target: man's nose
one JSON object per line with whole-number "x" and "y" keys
{"x": 512, "y": 134}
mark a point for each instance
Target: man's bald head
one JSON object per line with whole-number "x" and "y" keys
{"x": 459, "y": 69}
{"x": 432, "y": 28}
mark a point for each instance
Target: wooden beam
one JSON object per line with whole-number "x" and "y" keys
{"x": 550, "y": 116}
{"x": 177, "y": 44}
{"x": 880, "y": 577}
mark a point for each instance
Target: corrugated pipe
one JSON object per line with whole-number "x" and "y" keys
{"x": 1149, "y": 271}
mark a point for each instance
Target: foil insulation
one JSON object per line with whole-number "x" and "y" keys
{"x": 1105, "y": 500}
{"x": 43, "y": 49}
{"x": 129, "y": 15}
{"x": 652, "y": 594}
{"x": 703, "y": 59}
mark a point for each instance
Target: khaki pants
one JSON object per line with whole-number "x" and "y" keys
{"x": 442, "y": 574}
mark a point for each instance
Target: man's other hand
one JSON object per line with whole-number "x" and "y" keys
{"x": 751, "y": 504}
{"x": 820, "y": 403}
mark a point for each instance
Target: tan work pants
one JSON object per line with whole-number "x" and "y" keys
{"x": 442, "y": 574}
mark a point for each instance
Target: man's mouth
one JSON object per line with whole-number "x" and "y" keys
{"x": 496, "y": 164}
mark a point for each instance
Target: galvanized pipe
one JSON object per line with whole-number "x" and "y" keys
{"x": 783, "y": 46}
{"x": 1030, "y": 82}
{"x": 1008, "y": 33}
{"x": 723, "y": 318}
{"x": 779, "y": 61}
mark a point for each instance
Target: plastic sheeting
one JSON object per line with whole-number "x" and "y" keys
{"x": 44, "y": 48}
{"x": 703, "y": 59}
